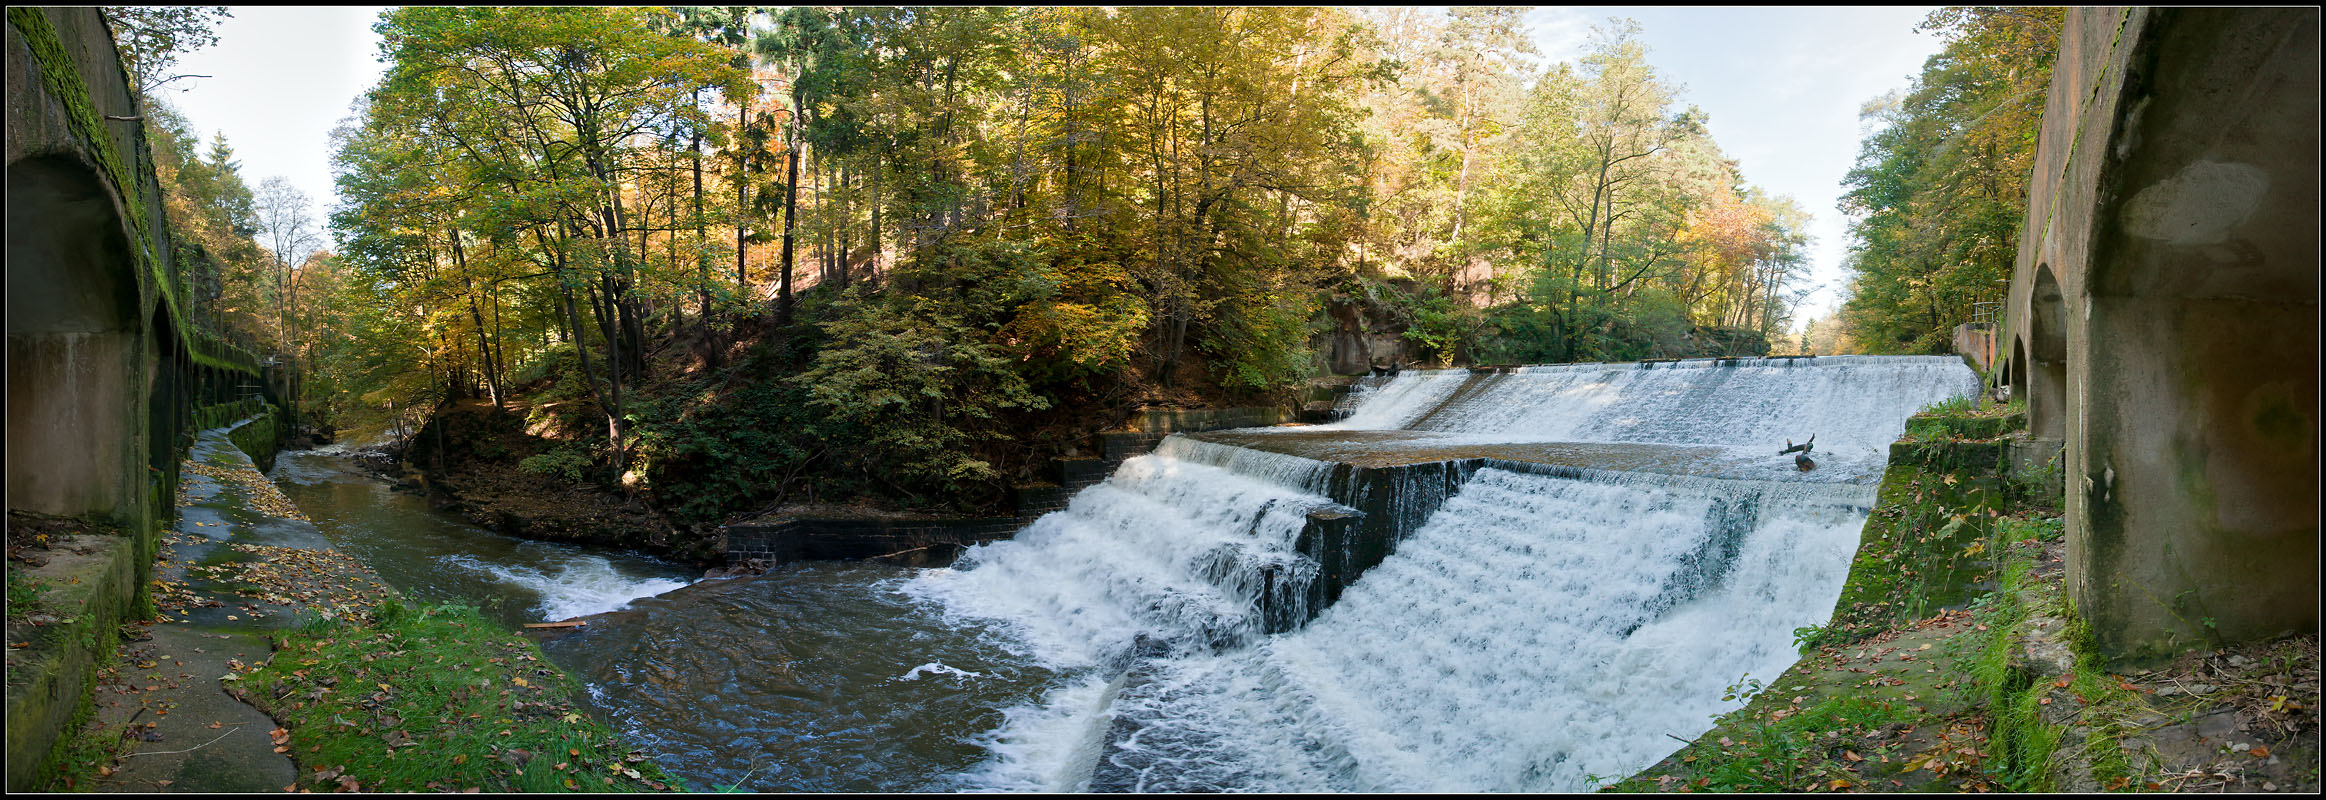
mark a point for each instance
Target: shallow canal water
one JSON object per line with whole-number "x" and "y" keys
{"x": 433, "y": 556}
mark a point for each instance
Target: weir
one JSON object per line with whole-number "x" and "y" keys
{"x": 1502, "y": 581}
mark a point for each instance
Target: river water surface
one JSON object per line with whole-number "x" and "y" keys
{"x": 1562, "y": 617}
{"x": 817, "y": 677}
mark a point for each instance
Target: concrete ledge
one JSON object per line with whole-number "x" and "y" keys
{"x": 1189, "y": 420}
{"x": 222, "y": 414}
{"x": 86, "y": 588}
{"x": 1980, "y": 457}
{"x": 904, "y": 542}
{"x": 259, "y": 437}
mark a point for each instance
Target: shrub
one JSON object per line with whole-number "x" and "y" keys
{"x": 916, "y": 388}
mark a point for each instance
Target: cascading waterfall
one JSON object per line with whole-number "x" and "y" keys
{"x": 1168, "y": 549}
{"x": 1389, "y": 405}
{"x": 1540, "y": 628}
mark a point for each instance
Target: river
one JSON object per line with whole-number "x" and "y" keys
{"x": 816, "y": 677}
{"x": 1558, "y": 619}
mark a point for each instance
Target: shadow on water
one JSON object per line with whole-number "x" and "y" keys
{"x": 435, "y": 557}
{"x": 816, "y": 677}
{"x": 812, "y": 678}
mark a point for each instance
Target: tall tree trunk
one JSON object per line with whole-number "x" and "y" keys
{"x": 742, "y": 205}
{"x": 477, "y": 315}
{"x": 791, "y": 203}
{"x": 703, "y": 265}
{"x": 872, "y": 268}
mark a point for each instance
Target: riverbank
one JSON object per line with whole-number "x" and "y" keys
{"x": 275, "y": 662}
{"x": 1954, "y": 662}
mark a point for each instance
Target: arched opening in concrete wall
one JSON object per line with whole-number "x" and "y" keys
{"x": 74, "y": 343}
{"x": 2196, "y": 344}
{"x": 2018, "y": 371}
{"x": 167, "y": 402}
{"x": 2047, "y": 368}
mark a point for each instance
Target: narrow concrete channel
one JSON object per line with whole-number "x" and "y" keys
{"x": 240, "y": 564}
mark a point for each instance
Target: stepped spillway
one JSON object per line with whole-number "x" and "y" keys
{"x": 1618, "y": 545}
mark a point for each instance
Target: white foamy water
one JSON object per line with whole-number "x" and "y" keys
{"x": 570, "y": 586}
{"x": 1532, "y": 633}
{"x": 1396, "y": 402}
{"x": 938, "y": 668}
{"x": 1164, "y": 548}
{"x": 1854, "y": 405}
{"x": 1516, "y": 642}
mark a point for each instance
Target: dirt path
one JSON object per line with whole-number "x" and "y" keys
{"x": 241, "y": 564}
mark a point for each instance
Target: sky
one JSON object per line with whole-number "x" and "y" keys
{"x": 1782, "y": 87}
{"x": 281, "y": 78}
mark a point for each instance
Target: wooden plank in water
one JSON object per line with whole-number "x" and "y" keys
{"x": 571, "y": 623}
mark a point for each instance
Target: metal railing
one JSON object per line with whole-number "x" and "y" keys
{"x": 1984, "y": 313}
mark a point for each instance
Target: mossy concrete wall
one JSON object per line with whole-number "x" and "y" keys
{"x": 104, "y": 365}
{"x": 2163, "y": 321}
{"x": 87, "y": 587}
{"x": 260, "y": 438}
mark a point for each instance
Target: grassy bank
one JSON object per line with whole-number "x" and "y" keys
{"x": 1954, "y": 661}
{"x": 1897, "y": 691}
{"x": 435, "y": 698}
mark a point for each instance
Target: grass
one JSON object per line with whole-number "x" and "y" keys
{"x": 23, "y": 593}
{"x": 1925, "y": 547}
{"x": 1949, "y": 531}
{"x": 436, "y": 699}
{"x": 1789, "y": 754}
{"x": 85, "y": 746}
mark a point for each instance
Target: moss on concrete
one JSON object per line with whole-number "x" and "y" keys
{"x": 1917, "y": 682}
{"x": 260, "y": 437}
{"x": 1924, "y": 546}
{"x": 87, "y": 586}
{"x": 62, "y": 77}
{"x": 223, "y": 414}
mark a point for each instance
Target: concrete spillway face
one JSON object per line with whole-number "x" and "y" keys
{"x": 1535, "y": 626}
{"x": 74, "y": 343}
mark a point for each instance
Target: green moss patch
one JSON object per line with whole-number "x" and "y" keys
{"x": 1925, "y": 548}
{"x": 436, "y": 699}
{"x": 84, "y": 588}
{"x": 63, "y": 80}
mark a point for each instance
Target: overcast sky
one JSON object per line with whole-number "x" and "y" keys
{"x": 1782, "y": 86}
